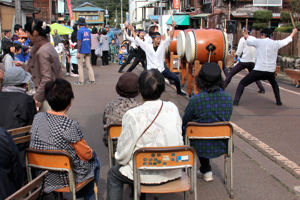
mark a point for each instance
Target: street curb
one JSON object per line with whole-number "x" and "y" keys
{"x": 271, "y": 153}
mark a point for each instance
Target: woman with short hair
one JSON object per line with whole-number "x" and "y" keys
{"x": 94, "y": 44}
{"x": 155, "y": 123}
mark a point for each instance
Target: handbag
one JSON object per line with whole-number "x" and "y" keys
{"x": 98, "y": 51}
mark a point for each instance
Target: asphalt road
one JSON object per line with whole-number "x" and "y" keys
{"x": 256, "y": 175}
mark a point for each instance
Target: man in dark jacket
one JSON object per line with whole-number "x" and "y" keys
{"x": 5, "y": 38}
{"x": 11, "y": 172}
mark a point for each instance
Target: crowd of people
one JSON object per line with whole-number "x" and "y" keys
{"x": 144, "y": 123}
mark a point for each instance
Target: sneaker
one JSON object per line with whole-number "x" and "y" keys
{"x": 67, "y": 74}
{"x": 182, "y": 93}
{"x": 91, "y": 82}
{"x": 121, "y": 71}
{"x": 78, "y": 83}
{"x": 114, "y": 61}
{"x": 261, "y": 91}
{"x": 75, "y": 75}
{"x": 279, "y": 103}
{"x": 208, "y": 176}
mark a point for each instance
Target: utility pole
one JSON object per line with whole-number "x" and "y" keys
{"x": 116, "y": 20}
{"x": 160, "y": 18}
{"x": 121, "y": 13}
{"x": 18, "y": 12}
{"x": 106, "y": 13}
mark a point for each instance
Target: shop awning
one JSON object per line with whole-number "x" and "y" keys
{"x": 181, "y": 20}
{"x": 154, "y": 18}
{"x": 202, "y": 15}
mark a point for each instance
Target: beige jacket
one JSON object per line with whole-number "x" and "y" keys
{"x": 44, "y": 66}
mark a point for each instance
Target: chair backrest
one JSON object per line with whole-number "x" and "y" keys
{"x": 18, "y": 131}
{"x": 114, "y": 130}
{"x": 37, "y": 183}
{"x": 52, "y": 160}
{"x": 216, "y": 130}
{"x": 164, "y": 157}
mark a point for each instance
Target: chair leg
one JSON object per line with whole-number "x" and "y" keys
{"x": 185, "y": 195}
{"x": 225, "y": 169}
{"x": 231, "y": 177}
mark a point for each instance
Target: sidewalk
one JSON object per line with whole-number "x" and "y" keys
{"x": 255, "y": 176}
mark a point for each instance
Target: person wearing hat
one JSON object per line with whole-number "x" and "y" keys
{"x": 24, "y": 55}
{"x": 84, "y": 52}
{"x": 247, "y": 60}
{"x": 211, "y": 104}
{"x": 155, "y": 123}
{"x": 265, "y": 66}
{"x": 109, "y": 33}
{"x": 17, "y": 108}
{"x": 127, "y": 89}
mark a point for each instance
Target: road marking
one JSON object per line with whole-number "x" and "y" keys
{"x": 270, "y": 152}
{"x": 297, "y": 93}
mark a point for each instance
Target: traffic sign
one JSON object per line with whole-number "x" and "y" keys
{"x": 106, "y": 15}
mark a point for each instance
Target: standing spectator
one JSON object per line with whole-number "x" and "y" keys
{"x": 94, "y": 44}
{"x": 43, "y": 62}
{"x": 113, "y": 51}
{"x": 101, "y": 29}
{"x": 17, "y": 29}
{"x": 11, "y": 172}
{"x": 109, "y": 33}
{"x": 23, "y": 55}
{"x": 57, "y": 39}
{"x": 117, "y": 42}
{"x": 74, "y": 62}
{"x": 164, "y": 130}
{"x": 74, "y": 34}
{"x": 104, "y": 41}
{"x": 9, "y": 50}
{"x": 66, "y": 51}
{"x": 211, "y": 104}
{"x": 84, "y": 52}
{"x": 5, "y": 39}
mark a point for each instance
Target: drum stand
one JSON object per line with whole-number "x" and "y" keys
{"x": 169, "y": 61}
{"x": 193, "y": 69}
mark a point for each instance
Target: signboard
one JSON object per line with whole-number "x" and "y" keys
{"x": 106, "y": 15}
{"x": 177, "y": 4}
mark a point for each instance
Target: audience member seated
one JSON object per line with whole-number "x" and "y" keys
{"x": 153, "y": 124}
{"x": 17, "y": 108}
{"x": 127, "y": 88}
{"x": 11, "y": 173}
{"x": 53, "y": 130}
{"x": 211, "y": 104}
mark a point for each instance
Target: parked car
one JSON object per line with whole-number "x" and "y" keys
{"x": 116, "y": 31}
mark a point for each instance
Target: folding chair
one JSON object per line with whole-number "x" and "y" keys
{"x": 208, "y": 131}
{"x": 114, "y": 132}
{"x": 53, "y": 160}
{"x": 166, "y": 158}
{"x": 18, "y": 131}
{"x": 37, "y": 184}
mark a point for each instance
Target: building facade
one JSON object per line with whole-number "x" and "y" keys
{"x": 93, "y": 15}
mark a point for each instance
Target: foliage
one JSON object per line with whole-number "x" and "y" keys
{"x": 284, "y": 29}
{"x": 263, "y": 15}
{"x": 259, "y": 26}
{"x": 285, "y": 16}
{"x": 295, "y": 5}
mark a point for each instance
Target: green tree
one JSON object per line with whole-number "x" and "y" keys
{"x": 295, "y": 5}
{"x": 262, "y": 19}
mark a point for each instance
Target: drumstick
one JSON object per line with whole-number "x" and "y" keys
{"x": 151, "y": 19}
{"x": 172, "y": 14}
{"x": 292, "y": 20}
{"x": 131, "y": 20}
{"x": 246, "y": 24}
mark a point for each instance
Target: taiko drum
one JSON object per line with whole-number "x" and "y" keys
{"x": 197, "y": 42}
{"x": 181, "y": 42}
